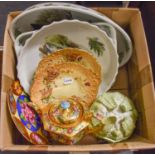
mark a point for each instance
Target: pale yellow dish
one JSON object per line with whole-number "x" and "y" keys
{"x": 75, "y": 55}
{"x": 64, "y": 80}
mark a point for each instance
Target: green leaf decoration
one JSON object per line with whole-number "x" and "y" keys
{"x": 107, "y": 30}
{"x": 23, "y": 39}
{"x": 17, "y": 32}
{"x": 48, "y": 17}
{"x": 121, "y": 56}
{"x": 59, "y": 41}
{"x": 126, "y": 45}
{"x": 56, "y": 42}
{"x": 20, "y": 101}
{"x": 26, "y": 99}
{"x": 96, "y": 46}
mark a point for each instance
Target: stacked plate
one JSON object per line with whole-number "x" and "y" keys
{"x": 45, "y": 14}
{"x": 45, "y": 29}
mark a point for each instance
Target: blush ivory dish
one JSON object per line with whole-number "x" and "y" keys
{"x": 82, "y": 34}
{"x": 46, "y": 14}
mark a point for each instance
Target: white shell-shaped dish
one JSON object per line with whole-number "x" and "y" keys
{"x": 124, "y": 46}
{"x": 79, "y": 33}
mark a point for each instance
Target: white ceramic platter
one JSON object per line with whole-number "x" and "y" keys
{"x": 80, "y": 33}
{"x": 39, "y": 5}
{"x": 21, "y": 39}
{"x": 45, "y": 15}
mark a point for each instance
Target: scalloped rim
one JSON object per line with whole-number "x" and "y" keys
{"x": 17, "y": 44}
{"x": 114, "y": 37}
{"x": 135, "y": 120}
{"x": 87, "y": 11}
{"x": 79, "y": 22}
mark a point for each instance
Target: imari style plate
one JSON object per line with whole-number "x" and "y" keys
{"x": 27, "y": 121}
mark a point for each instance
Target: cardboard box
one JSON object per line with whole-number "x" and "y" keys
{"x": 134, "y": 79}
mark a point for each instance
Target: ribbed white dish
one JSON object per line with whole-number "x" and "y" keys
{"x": 24, "y": 20}
{"x": 78, "y": 32}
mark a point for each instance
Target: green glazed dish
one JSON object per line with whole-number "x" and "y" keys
{"x": 118, "y": 115}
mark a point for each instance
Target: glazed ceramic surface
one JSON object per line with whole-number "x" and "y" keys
{"x": 110, "y": 31}
{"x": 81, "y": 34}
{"x": 20, "y": 41}
{"x": 45, "y": 15}
{"x": 65, "y": 118}
{"x": 112, "y": 117}
{"x": 118, "y": 115}
{"x": 54, "y": 4}
{"x": 27, "y": 121}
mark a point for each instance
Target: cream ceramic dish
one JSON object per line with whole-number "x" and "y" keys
{"x": 41, "y": 16}
{"x": 21, "y": 39}
{"x": 81, "y": 34}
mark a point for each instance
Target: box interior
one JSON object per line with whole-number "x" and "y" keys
{"x": 134, "y": 79}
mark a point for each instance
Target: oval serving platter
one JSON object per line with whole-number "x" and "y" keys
{"x": 45, "y": 15}
{"x": 77, "y": 34}
{"x": 21, "y": 39}
{"x": 39, "y": 5}
{"x": 27, "y": 121}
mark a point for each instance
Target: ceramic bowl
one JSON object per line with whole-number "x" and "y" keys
{"x": 21, "y": 39}
{"x": 82, "y": 34}
{"x": 45, "y": 15}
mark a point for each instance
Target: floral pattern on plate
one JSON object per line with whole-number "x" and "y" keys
{"x": 96, "y": 46}
{"x": 48, "y": 16}
{"x": 27, "y": 115}
{"x": 56, "y": 42}
{"x": 101, "y": 48}
{"x": 25, "y": 118}
{"x": 37, "y": 138}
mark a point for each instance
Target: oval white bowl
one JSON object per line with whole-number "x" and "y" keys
{"x": 21, "y": 39}
{"x": 79, "y": 33}
{"x": 124, "y": 48}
